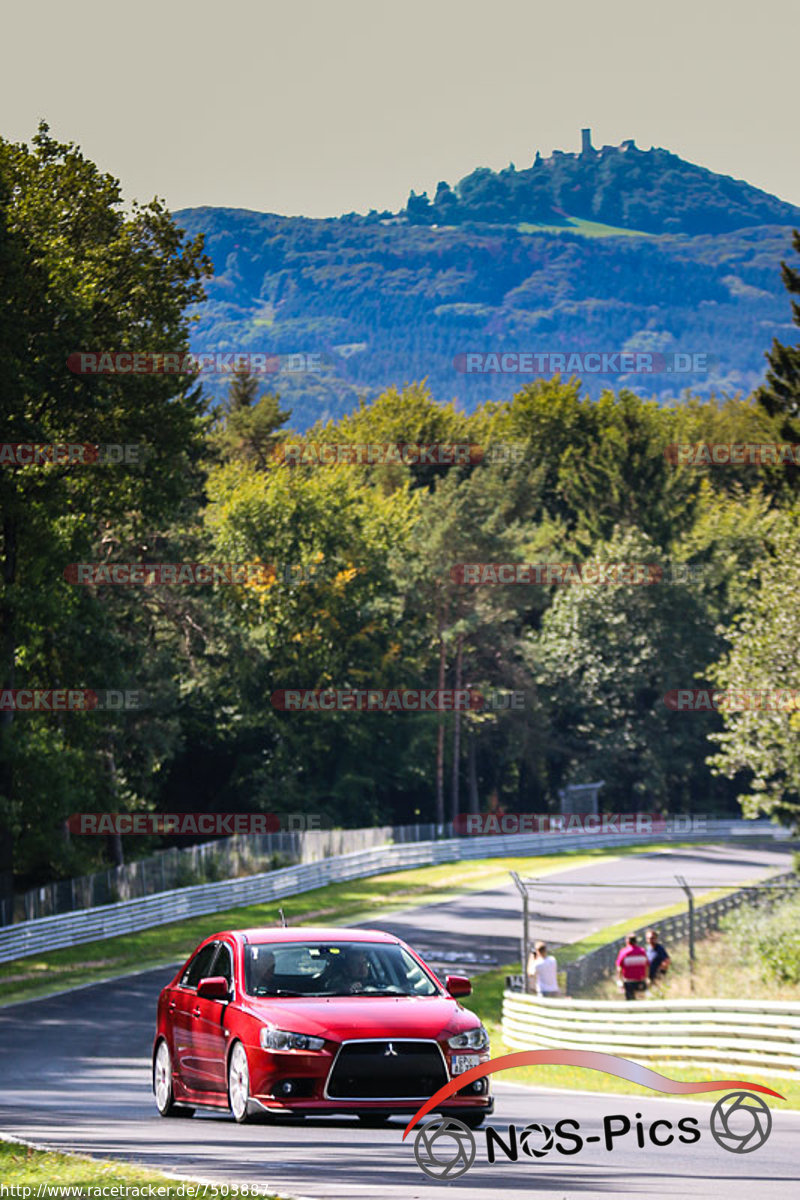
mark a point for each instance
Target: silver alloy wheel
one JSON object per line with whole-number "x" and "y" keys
{"x": 238, "y": 1083}
{"x": 162, "y": 1079}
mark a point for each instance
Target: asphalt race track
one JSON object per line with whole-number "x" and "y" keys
{"x": 486, "y": 927}
{"x": 76, "y": 1076}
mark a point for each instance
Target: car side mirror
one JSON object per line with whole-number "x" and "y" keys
{"x": 214, "y": 987}
{"x": 458, "y": 985}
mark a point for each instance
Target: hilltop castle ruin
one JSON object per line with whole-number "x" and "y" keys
{"x": 587, "y": 150}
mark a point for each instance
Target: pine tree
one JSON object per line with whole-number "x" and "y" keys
{"x": 780, "y": 396}
{"x": 251, "y": 427}
{"x": 242, "y": 391}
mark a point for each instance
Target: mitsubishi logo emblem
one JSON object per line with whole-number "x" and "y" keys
{"x": 389, "y": 1051}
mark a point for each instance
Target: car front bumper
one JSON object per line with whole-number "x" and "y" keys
{"x": 360, "y": 1076}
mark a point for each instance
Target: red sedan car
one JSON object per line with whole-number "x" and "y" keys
{"x": 304, "y": 1021}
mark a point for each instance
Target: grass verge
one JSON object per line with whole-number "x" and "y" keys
{"x": 23, "y": 1166}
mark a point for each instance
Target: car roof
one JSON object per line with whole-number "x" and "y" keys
{"x": 306, "y": 933}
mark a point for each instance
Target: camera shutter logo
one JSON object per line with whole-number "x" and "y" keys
{"x": 444, "y": 1148}
{"x": 527, "y": 1140}
{"x": 740, "y": 1122}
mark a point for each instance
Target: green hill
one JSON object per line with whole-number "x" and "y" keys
{"x": 650, "y": 190}
{"x": 391, "y": 298}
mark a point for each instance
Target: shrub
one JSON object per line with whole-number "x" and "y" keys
{"x": 769, "y": 937}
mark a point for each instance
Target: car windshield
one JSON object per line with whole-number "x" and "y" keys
{"x": 334, "y": 969}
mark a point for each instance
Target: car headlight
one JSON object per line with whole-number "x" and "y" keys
{"x": 472, "y": 1039}
{"x": 284, "y": 1039}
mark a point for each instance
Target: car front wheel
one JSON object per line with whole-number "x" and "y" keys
{"x": 239, "y": 1083}
{"x": 162, "y": 1085}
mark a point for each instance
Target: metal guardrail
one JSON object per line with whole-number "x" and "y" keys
{"x": 128, "y": 916}
{"x": 597, "y": 963}
{"x": 757, "y": 1034}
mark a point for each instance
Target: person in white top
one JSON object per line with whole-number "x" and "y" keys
{"x": 542, "y": 971}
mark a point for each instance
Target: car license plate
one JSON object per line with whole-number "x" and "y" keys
{"x": 463, "y": 1062}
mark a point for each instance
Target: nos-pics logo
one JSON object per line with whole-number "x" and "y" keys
{"x": 445, "y": 1148}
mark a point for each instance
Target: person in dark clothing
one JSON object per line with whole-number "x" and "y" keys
{"x": 657, "y": 958}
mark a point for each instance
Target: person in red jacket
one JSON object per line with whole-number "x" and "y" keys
{"x": 632, "y": 967}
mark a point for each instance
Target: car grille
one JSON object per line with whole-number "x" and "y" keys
{"x": 386, "y": 1070}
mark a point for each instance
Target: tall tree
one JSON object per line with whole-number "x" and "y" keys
{"x": 79, "y": 274}
{"x": 332, "y": 623}
{"x": 780, "y": 396}
{"x": 760, "y": 747}
{"x": 606, "y": 656}
{"x": 250, "y": 426}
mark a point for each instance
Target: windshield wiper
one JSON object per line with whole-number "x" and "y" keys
{"x": 367, "y": 991}
{"x": 278, "y": 992}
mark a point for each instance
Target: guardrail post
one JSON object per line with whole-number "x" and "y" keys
{"x": 526, "y": 942}
{"x": 523, "y": 891}
{"x": 690, "y": 899}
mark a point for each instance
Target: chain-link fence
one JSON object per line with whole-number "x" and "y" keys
{"x": 227, "y": 858}
{"x": 599, "y": 963}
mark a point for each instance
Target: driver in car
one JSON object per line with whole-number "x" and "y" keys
{"x": 264, "y": 974}
{"x": 349, "y": 973}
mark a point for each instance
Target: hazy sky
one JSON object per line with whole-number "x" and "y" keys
{"x": 325, "y": 106}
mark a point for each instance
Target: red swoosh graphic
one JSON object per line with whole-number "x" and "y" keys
{"x": 609, "y": 1064}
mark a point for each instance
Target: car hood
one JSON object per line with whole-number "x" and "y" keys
{"x": 343, "y": 1017}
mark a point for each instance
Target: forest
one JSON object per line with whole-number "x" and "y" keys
{"x": 357, "y": 577}
{"x": 385, "y": 305}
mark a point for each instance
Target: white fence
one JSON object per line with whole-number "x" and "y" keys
{"x": 129, "y": 916}
{"x": 751, "y": 1034}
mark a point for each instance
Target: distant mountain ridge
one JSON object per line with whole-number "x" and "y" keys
{"x": 388, "y": 298}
